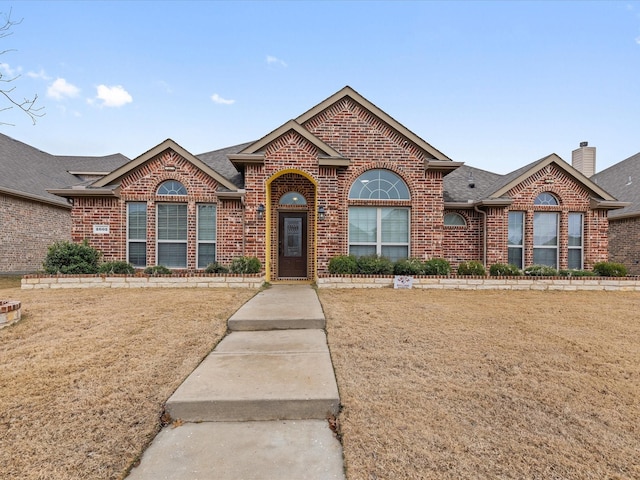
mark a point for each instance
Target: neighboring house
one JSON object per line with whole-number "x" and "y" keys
{"x": 343, "y": 177}
{"x": 31, "y": 219}
{"x": 623, "y": 181}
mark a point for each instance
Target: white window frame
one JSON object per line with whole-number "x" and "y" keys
{"x": 185, "y": 241}
{"x": 522, "y": 233}
{"x": 379, "y": 243}
{"x": 207, "y": 242}
{"x": 576, "y": 247}
{"x": 547, "y": 247}
{"x": 137, "y": 240}
{"x": 455, "y": 215}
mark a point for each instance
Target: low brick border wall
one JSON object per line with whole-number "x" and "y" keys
{"x": 10, "y": 312}
{"x": 485, "y": 283}
{"x": 194, "y": 280}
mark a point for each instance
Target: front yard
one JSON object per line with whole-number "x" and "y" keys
{"x": 435, "y": 384}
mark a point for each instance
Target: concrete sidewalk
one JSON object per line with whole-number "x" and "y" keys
{"x": 256, "y": 407}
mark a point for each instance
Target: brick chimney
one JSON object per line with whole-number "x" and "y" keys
{"x": 583, "y": 159}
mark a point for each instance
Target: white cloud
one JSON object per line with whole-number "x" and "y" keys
{"x": 41, "y": 74}
{"x": 6, "y": 69}
{"x": 221, "y": 101}
{"x": 271, "y": 60}
{"x": 60, "y": 89}
{"x": 638, "y": 40}
{"x": 115, "y": 96}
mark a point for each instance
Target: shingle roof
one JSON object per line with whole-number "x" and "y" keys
{"x": 25, "y": 170}
{"x": 218, "y": 160}
{"x": 622, "y": 180}
{"x": 458, "y": 184}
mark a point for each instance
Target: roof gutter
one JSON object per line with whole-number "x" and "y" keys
{"x": 34, "y": 198}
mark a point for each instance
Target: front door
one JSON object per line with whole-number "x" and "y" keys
{"x": 292, "y": 245}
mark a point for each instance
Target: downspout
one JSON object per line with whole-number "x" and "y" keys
{"x": 244, "y": 224}
{"x": 484, "y": 235}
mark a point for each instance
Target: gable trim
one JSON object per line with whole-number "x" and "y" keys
{"x": 257, "y": 146}
{"x": 366, "y": 104}
{"x": 157, "y": 150}
{"x": 555, "y": 159}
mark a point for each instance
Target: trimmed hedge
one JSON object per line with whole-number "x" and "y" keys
{"x": 71, "y": 258}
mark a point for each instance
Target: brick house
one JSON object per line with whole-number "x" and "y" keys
{"x": 31, "y": 219}
{"x": 623, "y": 181}
{"x": 343, "y": 177}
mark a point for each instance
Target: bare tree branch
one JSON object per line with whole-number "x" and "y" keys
{"x": 27, "y": 105}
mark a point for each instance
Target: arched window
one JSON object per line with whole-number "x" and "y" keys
{"x": 377, "y": 229}
{"x": 454, "y": 220}
{"x": 545, "y": 198}
{"x": 379, "y": 185}
{"x": 171, "y": 187}
{"x": 293, "y": 198}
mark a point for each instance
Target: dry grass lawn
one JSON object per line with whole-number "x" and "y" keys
{"x": 85, "y": 373}
{"x": 492, "y": 384}
{"x": 435, "y": 384}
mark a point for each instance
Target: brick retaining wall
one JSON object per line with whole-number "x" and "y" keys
{"x": 142, "y": 281}
{"x": 487, "y": 283}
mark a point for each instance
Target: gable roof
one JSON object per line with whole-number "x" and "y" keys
{"x": 623, "y": 181}
{"x": 28, "y": 172}
{"x": 114, "y": 177}
{"x": 373, "y": 109}
{"x": 490, "y": 187}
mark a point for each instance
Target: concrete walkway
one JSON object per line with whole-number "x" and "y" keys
{"x": 257, "y": 406}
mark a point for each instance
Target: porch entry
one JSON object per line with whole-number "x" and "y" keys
{"x": 292, "y": 245}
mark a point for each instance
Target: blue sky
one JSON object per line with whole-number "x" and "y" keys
{"x": 493, "y": 84}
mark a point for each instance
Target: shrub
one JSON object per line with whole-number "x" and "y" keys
{"x": 374, "y": 265}
{"x": 408, "y": 266}
{"x": 157, "y": 270}
{"x": 504, "y": 270}
{"x": 343, "y": 265}
{"x": 575, "y": 273}
{"x": 610, "y": 269}
{"x": 117, "y": 267}
{"x": 472, "y": 267}
{"x": 215, "y": 267}
{"x": 540, "y": 271}
{"x": 71, "y": 258}
{"x": 437, "y": 266}
{"x": 245, "y": 265}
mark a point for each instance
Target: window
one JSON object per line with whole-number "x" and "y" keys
{"x": 137, "y": 234}
{"x": 545, "y": 199}
{"x": 575, "y": 241}
{"x": 172, "y": 235}
{"x": 206, "y": 235}
{"x": 379, "y": 185}
{"x": 171, "y": 187}
{"x": 516, "y": 239}
{"x": 379, "y": 231}
{"x": 382, "y": 230}
{"x": 292, "y": 198}
{"x": 545, "y": 239}
{"x": 454, "y": 220}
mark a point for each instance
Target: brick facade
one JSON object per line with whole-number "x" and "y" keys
{"x": 292, "y": 160}
{"x": 625, "y": 247}
{"x": 27, "y": 229}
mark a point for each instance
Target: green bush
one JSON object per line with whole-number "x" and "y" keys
{"x": 215, "y": 267}
{"x": 575, "y": 273}
{"x": 504, "y": 270}
{"x": 437, "y": 266}
{"x": 71, "y": 258}
{"x": 541, "y": 271}
{"x": 245, "y": 265}
{"x": 343, "y": 265}
{"x": 157, "y": 270}
{"x": 374, "y": 265}
{"x": 408, "y": 266}
{"x": 117, "y": 267}
{"x": 472, "y": 267}
{"x": 609, "y": 269}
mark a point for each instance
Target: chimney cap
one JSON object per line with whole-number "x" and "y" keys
{"x": 584, "y": 144}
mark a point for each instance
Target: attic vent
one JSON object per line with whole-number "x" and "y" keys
{"x": 584, "y": 144}
{"x": 629, "y": 181}
{"x": 472, "y": 183}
